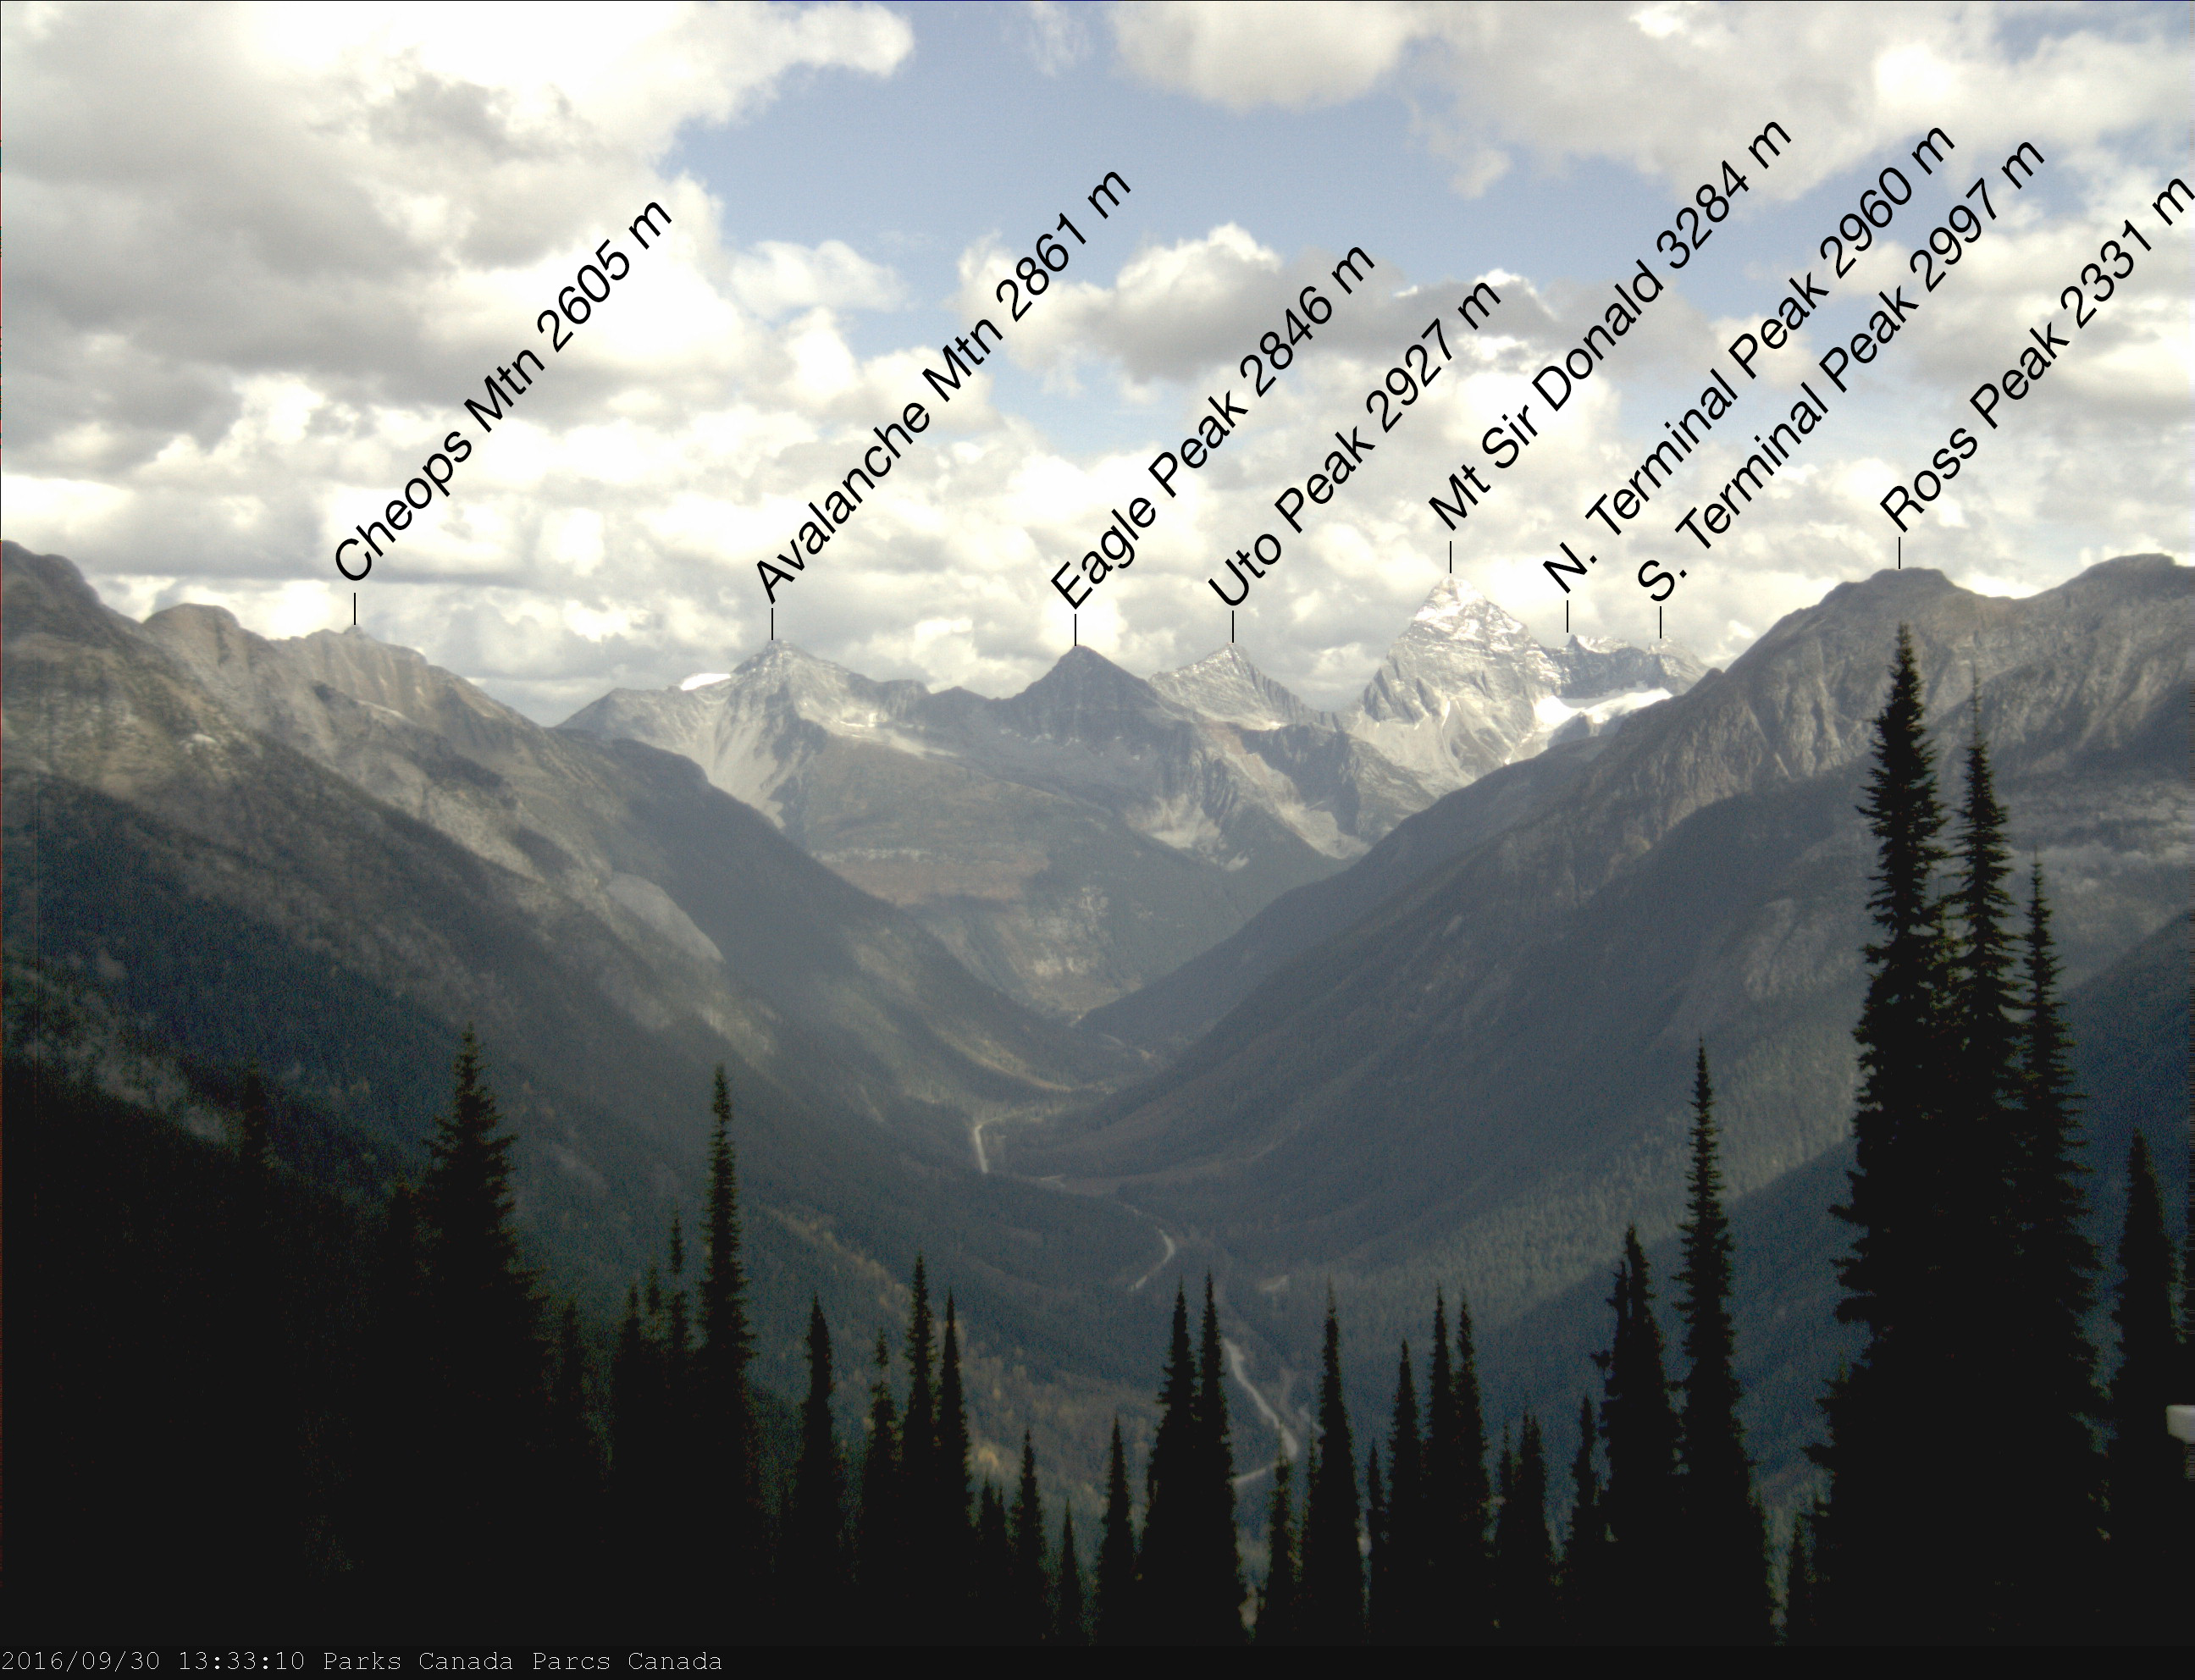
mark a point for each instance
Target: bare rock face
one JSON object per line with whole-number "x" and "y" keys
{"x": 1077, "y": 841}
{"x": 1481, "y": 1073}
{"x": 634, "y": 885}
{"x": 1466, "y": 690}
{"x": 328, "y": 857}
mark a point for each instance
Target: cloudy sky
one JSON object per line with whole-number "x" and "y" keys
{"x": 259, "y": 257}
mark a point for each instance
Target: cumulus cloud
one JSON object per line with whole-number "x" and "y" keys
{"x": 1263, "y": 52}
{"x": 263, "y": 256}
{"x": 1054, "y": 37}
{"x": 1574, "y": 82}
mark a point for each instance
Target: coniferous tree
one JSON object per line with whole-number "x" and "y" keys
{"x": 879, "y": 1556}
{"x": 636, "y": 1430}
{"x": 1215, "y": 1604}
{"x": 682, "y": 1537}
{"x": 2145, "y": 1463}
{"x": 1279, "y": 1605}
{"x": 1116, "y": 1555}
{"x": 925, "y": 1584}
{"x": 951, "y": 1488}
{"x": 989, "y": 1599}
{"x": 1725, "y": 1574}
{"x": 1377, "y": 1557}
{"x": 732, "y": 1548}
{"x": 1585, "y": 1588}
{"x": 813, "y": 1561}
{"x": 1167, "y": 1556}
{"x": 1524, "y": 1556}
{"x": 2048, "y": 1524}
{"x": 1457, "y": 1493}
{"x": 1888, "y": 1414}
{"x": 575, "y": 1461}
{"x": 1070, "y": 1626}
{"x": 1029, "y": 1588}
{"x": 918, "y": 1438}
{"x": 1980, "y": 1323}
{"x": 1399, "y": 1604}
{"x": 1640, "y": 1428}
{"x": 678, "y": 1336}
{"x": 1798, "y": 1621}
{"x": 1333, "y": 1601}
{"x": 485, "y": 1356}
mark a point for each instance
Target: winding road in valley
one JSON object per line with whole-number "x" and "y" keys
{"x": 1238, "y": 1360}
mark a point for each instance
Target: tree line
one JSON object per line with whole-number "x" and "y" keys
{"x": 1980, "y": 1483}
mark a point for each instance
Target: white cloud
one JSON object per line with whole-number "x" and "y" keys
{"x": 774, "y": 277}
{"x": 262, "y": 257}
{"x": 1054, "y": 35}
{"x": 1260, "y": 52}
{"x": 1601, "y": 82}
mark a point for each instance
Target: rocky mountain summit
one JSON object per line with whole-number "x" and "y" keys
{"x": 326, "y": 856}
{"x": 1466, "y": 689}
{"x": 1076, "y": 841}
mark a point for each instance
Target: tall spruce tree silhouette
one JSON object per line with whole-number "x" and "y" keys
{"x": 2146, "y": 1481}
{"x": 733, "y": 1554}
{"x": 1458, "y": 1494}
{"x": 574, "y": 1486}
{"x": 2051, "y": 1518}
{"x": 1332, "y": 1567}
{"x": 1724, "y": 1581}
{"x": 812, "y": 1563}
{"x": 640, "y": 1470}
{"x": 1890, "y": 1413}
{"x": 682, "y": 1533}
{"x": 923, "y": 1585}
{"x": 1166, "y": 1561}
{"x": 1070, "y": 1616}
{"x": 1400, "y": 1610}
{"x": 487, "y": 1359}
{"x": 1585, "y": 1587}
{"x": 1029, "y": 1595}
{"x": 1116, "y": 1555}
{"x": 1215, "y": 1604}
{"x": 1640, "y": 1428}
{"x": 1523, "y": 1555}
{"x": 1980, "y": 1323}
{"x": 1800, "y": 1627}
{"x": 1376, "y": 1538}
{"x": 984, "y": 1607}
{"x": 1279, "y": 1602}
{"x": 879, "y": 1558}
{"x": 951, "y": 1488}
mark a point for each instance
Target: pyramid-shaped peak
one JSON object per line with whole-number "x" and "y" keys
{"x": 1084, "y": 695}
{"x": 1086, "y": 674}
{"x": 1456, "y": 610}
{"x": 1226, "y": 687}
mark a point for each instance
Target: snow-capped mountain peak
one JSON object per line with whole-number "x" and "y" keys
{"x": 1466, "y": 689}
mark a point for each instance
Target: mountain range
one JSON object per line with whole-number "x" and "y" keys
{"x": 325, "y": 856}
{"x": 1091, "y": 834}
{"x": 1392, "y": 998}
{"x": 1468, "y": 1059}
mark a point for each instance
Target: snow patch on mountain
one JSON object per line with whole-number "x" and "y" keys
{"x": 1466, "y": 689}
